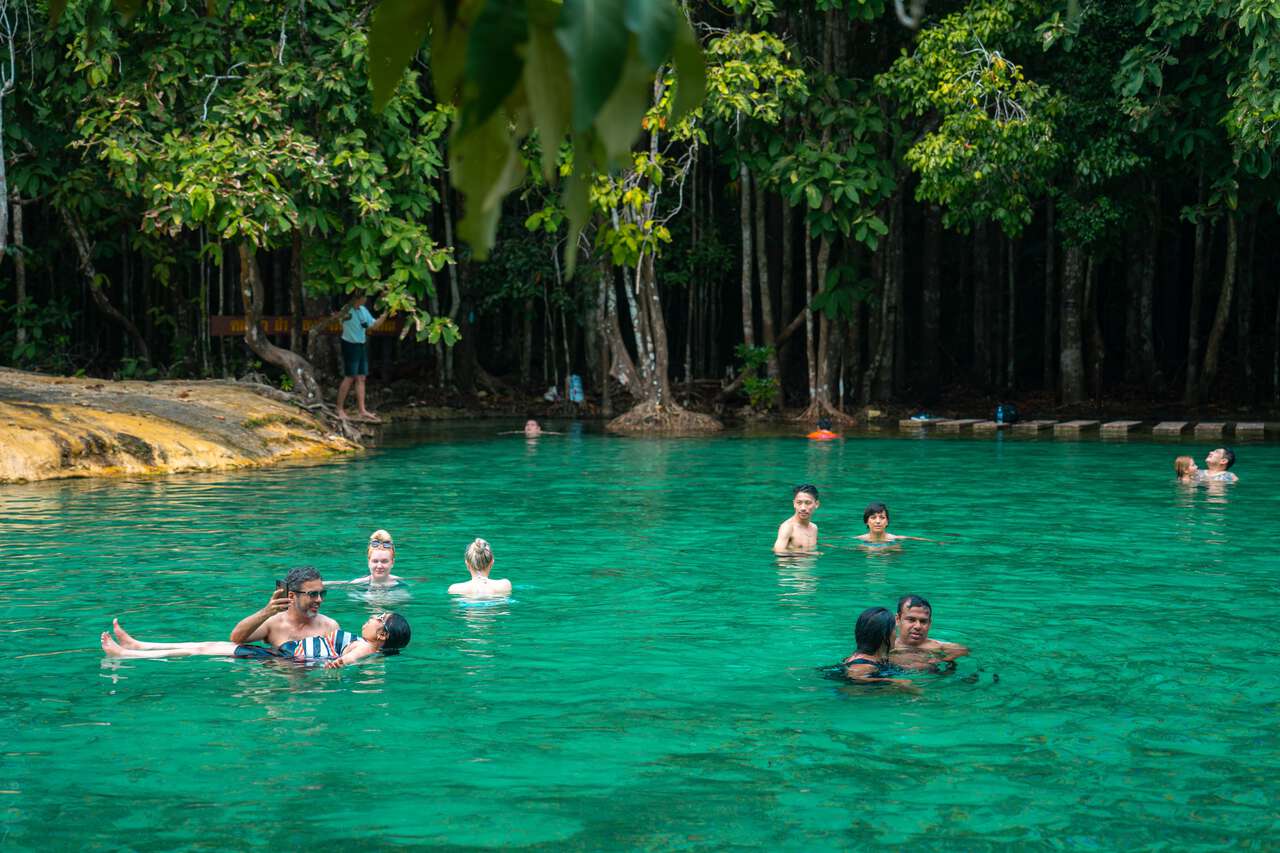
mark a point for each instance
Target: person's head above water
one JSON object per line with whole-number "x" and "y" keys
{"x": 1185, "y": 466}
{"x": 388, "y": 631}
{"x": 531, "y": 427}
{"x": 804, "y": 500}
{"x": 479, "y": 557}
{"x": 915, "y": 615}
{"x": 381, "y": 554}
{"x": 874, "y": 631}
{"x": 873, "y": 509}
{"x": 306, "y": 590}
{"x": 1220, "y": 459}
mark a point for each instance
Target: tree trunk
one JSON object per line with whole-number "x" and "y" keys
{"x": 744, "y": 214}
{"x": 1071, "y": 360}
{"x": 931, "y": 305}
{"x": 1198, "y": 265}
{"x": 1050, "y": 298}
{"x": 19, "y": 267}
{"x": 1011, "y": 318}
{"x": 526, "y": 344}
{"x": 1097, "y": 346}
{"x": 810, "y": 342}
{"x": 1146, "y": 322}
{"x": 877, "y": 382}
{"x": 1223, "y": 314}
{"x": 295, "y": 293}
{"x": 1244, "y": 311}
{"x": 786, "y": 284}
{"x": 84, "y": 249}
{"x": 604, "y": 315}
{"x": 455, "y": 293}
{"x": 766, "y": 294}
{"x": 253, "y": 292}
{"x": 981, "y": 307}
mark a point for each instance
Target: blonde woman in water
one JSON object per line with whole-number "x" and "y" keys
{"x": 381, "y": 554}
{"x": 479, "y": 559}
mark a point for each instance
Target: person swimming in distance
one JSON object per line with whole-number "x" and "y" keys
{"x": 1185, "y": 468}
{"x": 798, "y": 534}
{"x": 870, "y": 664}
{"x": 1218, "y": 463}
{"x": 531, "y": 430}
{"x": 479, "y": 560}
{"x": 387, "y": 633}
{"x": 823, "y": 432}
{"x": 876, "y": 518}
{"x": 381, "y": 555}
{"x": 913, "y": 649}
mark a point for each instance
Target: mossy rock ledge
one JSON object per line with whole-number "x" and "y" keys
{"x": 54, "y": 427}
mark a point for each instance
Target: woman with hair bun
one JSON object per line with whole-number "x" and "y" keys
{"x": 479, "y": 559}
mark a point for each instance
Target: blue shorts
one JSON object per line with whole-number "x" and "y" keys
{"x": 355, "y": 359}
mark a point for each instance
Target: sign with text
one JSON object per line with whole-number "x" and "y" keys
{"x": 222, "y": 326}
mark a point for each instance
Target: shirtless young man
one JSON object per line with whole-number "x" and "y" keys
{"x": 798, "y": 533}
{"x": 292, "y": 614}
{"x": 914, "y": 649}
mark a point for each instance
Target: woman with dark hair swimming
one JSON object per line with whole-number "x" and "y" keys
{"x": 870, "y": 663}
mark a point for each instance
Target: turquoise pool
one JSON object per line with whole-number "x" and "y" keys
{"x": 651, "y": 682}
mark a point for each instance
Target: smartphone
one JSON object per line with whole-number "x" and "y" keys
{"x": 280, "y": 584}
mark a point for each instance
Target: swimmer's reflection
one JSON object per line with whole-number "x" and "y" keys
{"x": 797, "y": 574}
{"x": 480, "y": 617}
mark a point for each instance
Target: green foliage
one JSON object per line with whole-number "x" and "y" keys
{"x": 994, "y": 147}
{"x": 135, "y": 368}
{"x": 47, "y": 344}
{"x": 585, "y": 67}
{"x": 762, "y": 391}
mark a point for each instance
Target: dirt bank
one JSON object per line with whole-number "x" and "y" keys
{"x": 53, "y": 427}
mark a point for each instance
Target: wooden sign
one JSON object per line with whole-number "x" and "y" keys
{"x": 222, "y": 326}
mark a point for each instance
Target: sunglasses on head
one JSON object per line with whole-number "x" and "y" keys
{"x": 384, "y": 544}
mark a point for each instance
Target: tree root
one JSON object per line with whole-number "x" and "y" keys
{"x": 822, "y": 409}
{"x": 670, "y": 419}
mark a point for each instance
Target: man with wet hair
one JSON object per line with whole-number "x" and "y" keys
{"x": 291, "y": 617}
{"x": 798, "y": 534}
{"x": 914, "y": 649}
{"x": 1219, "y": 463}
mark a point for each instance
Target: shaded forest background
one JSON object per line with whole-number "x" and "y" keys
{"x": 1074, "y": 201}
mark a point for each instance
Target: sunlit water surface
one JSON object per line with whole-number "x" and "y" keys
{"x": 651, "y": 681}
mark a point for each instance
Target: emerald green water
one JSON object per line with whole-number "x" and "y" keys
{"x": 650, "y": 683}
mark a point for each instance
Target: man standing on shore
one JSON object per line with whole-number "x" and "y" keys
{"x": 355, "y": 357}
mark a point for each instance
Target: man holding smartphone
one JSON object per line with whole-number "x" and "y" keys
{"x": 291, "y": 616}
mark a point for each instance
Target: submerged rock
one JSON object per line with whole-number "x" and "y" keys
{"x": 53, "y": 427}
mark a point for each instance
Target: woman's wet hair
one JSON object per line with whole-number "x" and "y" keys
{"x": 479, "y": 556}
{"x": 874, "y": 630}
{"x": 398, "y": 633}
{"x": 299, "y": 575}
{"x": 875, "y": 508}
{"x": 1182, "y": 465}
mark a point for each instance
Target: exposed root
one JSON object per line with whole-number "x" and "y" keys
{"x": 822, "y": 409}
{"x": 670, "y": 419}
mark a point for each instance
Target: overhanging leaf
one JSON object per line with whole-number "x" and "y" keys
{"x": 691, "y": 70}
{"x": 593, "y": 35}
{"x": 494, "y": 60}
{"x": 547, "y": 85}
{"x": 395, "y": 34}
{"x": 56, "y": 8}
{"x": 618, "y": 121}
{"x": 653, "y": 22}
{"x": 485, "y": 167}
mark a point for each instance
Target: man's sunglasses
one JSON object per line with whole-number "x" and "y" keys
{"x": 313, "y": 594}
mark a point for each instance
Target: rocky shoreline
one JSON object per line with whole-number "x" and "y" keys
{"x": 54, "y": 427}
